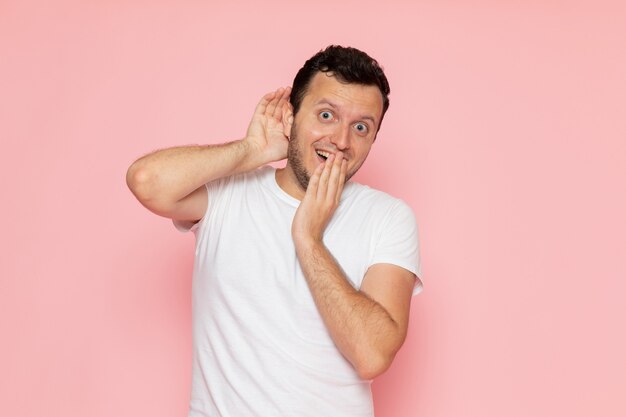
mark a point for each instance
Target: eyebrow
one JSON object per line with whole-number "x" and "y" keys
{"x": 335, "y": 106}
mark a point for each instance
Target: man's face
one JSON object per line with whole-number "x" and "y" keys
{"x": 333, "y": 117}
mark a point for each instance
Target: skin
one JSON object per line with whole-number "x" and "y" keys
{"x": 170, "y": 182}
{"x": 368, "y": 325}
{"x": 333, "y": 117}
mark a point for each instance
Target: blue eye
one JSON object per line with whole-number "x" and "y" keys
{"x": 326, "y": 115}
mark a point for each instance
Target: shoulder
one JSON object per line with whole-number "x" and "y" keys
{"x": 361, "y": 191}
{"x": 232, "y": 189}
{"x": 243, "y": 179}
{"x": 383, "y": 226}
{"x": 372, "y": 200}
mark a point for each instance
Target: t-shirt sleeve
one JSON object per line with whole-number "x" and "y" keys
{"x": 399, "y": 242}
{"x": 185, "y": 226}
{"x": 219, "y": 196}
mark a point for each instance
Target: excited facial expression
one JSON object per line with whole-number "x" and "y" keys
{"x": 333, "y": 116}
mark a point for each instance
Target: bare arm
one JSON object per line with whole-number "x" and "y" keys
{"x": 170, "y": 182}
{"x": 368, "y": 325}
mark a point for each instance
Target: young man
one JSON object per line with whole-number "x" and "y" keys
{"x": 302, "y": 280}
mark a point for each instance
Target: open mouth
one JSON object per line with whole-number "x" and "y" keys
{"x": 323, "y": 155}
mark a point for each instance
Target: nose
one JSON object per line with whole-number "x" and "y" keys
{"x": 341, "y": 138}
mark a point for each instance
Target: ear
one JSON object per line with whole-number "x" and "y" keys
{"x": 287, "y": 120}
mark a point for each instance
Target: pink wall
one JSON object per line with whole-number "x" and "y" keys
{"x": 506, "y": 134}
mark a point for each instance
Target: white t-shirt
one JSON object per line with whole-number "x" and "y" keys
{"x": 260, "y": 346}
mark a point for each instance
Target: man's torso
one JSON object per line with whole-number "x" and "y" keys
{"x": 260, "y": 345}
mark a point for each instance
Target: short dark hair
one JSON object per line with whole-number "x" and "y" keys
{"x": 349, "y": 65}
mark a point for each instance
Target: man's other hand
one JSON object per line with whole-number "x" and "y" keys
{"x": 320, "y": 201}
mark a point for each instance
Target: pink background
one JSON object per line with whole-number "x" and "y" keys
{"x": 506, "y": 134}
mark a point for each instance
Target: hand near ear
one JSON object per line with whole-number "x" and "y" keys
{"x": 266, "y": 132}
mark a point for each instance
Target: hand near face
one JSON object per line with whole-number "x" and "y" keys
{"x": 320, "y": 200}
{"x": 265, "y": 132}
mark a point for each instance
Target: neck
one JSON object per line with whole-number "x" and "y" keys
{"x": 287, "y": 181}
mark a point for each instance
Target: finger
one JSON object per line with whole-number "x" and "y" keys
{"x": 311, "y": 189}
{"x": 283, "y": 100}
{"x": 342, "y": 179}
{"x": 334, "y": 179}
{"x": 324, "y": 177}
{"x": 271, "y": 106}
{"x": 265, "y": 100}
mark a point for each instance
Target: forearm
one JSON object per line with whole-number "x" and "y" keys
{"x": 167, "y": 176}
{"x": 361, "y": 328}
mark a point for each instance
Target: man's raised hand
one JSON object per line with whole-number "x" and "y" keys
{"x": 266, "y": 131}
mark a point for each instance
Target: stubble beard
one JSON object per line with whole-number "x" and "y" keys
{"x": 295, "y": 160}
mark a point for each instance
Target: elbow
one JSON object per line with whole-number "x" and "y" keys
{"x": 134, "y": 177}
{"x": 374, "y": 358}
{"x": 141, "y": 182}
{"x": 373, "y": 365}
{"x": 137, "y": 178}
